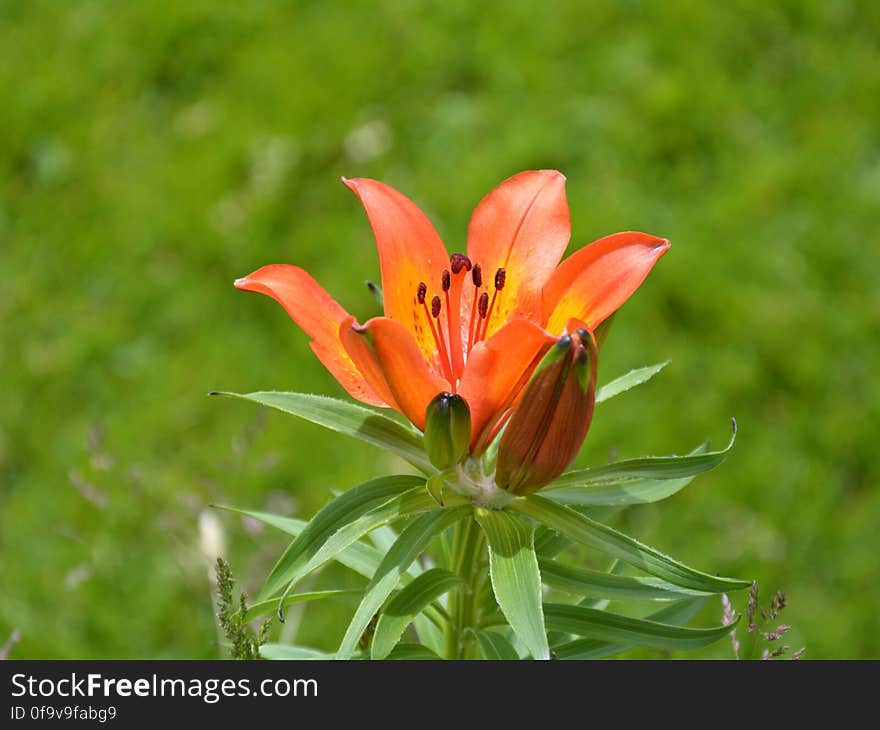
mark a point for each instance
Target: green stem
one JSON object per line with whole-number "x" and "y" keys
{"x": 464, "y": 604}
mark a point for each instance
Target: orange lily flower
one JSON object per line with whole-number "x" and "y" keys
{"x": 475, "y": 324}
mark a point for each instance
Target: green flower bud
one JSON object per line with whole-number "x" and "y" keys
{"x": 551, "y": 420}
{"x": 447, "y": 430}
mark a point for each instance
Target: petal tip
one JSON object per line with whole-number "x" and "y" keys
{"x": 352, "y": 183}
{"x": 554, "y": 174}
{"x": 241, "y": 283}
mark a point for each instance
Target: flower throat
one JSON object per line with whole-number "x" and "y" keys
{"x": 452, "y": 357}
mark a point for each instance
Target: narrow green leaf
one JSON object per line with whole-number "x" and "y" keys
{"x": 264, "y": 608}
{"x": 429, "y": 632}
{"x": 594, "y": 534}
{"x": 407, "y": 652}
{"x": 549, "y": 543}
{"x": 412, "y": 652}
{"x": 632, "y": 491}
{"x": 516, "y": 580}
{"x": 295, "y": 653}
{"x": 340, "y": 512}
{"x": 676, "y": 613}
{"x": 596, "y": 584}
{"x": 361, "y": 558}
{"x": 348, "y": 418}
{"x": 613, "y": 627}
{"x": 409, "y": 602}
{"x": 411, "y": 503}
{"x": 435, "y": 485}
{"x": 494, "y": 647}
{"x": 630, "y": 380}
{"x": 412, "y": 541}
{"x": 648, "y": 467}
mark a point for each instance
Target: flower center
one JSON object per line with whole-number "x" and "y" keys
{"x": 450, "y": 351}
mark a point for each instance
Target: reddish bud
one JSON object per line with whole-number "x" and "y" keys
{"x": 551, "y": 420}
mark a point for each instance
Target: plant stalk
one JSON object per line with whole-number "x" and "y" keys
{"x": 467, "y": 551}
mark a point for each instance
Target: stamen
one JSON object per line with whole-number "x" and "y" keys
{"x": 500, "y": 279}
{"x": 441, "y": 343}
{"x": 477, "y": 278}
{"x": 477, "y": 275}
{"x": 445, "y": 285}
{"x": 484, "y": 305}
{"x": 421, "y": 291}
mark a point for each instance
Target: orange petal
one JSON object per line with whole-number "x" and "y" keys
{"x": 497, "y": 370}
{"x": 313, "y": 309}
{"x": 592, "y": 283}
{"x": 410, "y": 251}
{"x": 392, "y": 363}
{"x": 522, "y": 226}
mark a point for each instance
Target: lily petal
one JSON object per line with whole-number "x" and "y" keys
{"x": 497, "y": 370}
{"x": 410, "y": 251}
{"x": 594, "y": 282}
{"x": 319, "y": 315}
{"x": 388, "y": 357}
{"x": 522, "y": 226}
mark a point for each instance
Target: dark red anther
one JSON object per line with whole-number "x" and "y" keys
{"x": 483, "y": 306}
{"x": 445, "y": 280}
{"x": 477, "y": 275}
{"x": 435, "y": 307}
{"x": 459, "y": 261}
{"x": 421, "y": 292}
{"x": 500, "y": 277}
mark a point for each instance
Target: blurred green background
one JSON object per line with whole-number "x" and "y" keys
{"x": 152, "y": 152}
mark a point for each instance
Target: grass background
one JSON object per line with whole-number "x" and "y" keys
{"x": 152, "y": 152}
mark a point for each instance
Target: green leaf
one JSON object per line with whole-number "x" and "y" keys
{"x": 404, "y": 607}
{"x": 299, "y": 653}
{"x": 412, "y": 541}
{"x": 613, "y": 627}
{"x": 549, "y": 543}
{"x": 516, "y": 580}
{"x": 361, "y": 558}
{"x": 429, "y": 632}
{"x": 412, "y": 652}
{"x": 634, "y": 491}
{"x": 596, "y": 584}
{"x": 315, "y": 550}
{"x": 345, "y": 509}
{"x": 630, "y": 380}
{"x": 648, "y": 467}
{"x": 594, "y": 534}
{"x": 676, "y": 613}
{"x": 348, "y": 418}
{"x": 295, "y": 653}
{"x": 266, "y": 607}
{"x": 494, "y": 647}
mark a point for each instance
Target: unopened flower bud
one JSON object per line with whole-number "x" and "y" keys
{"x": 551, "y": 420}
{"x": 447, "y": 430}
